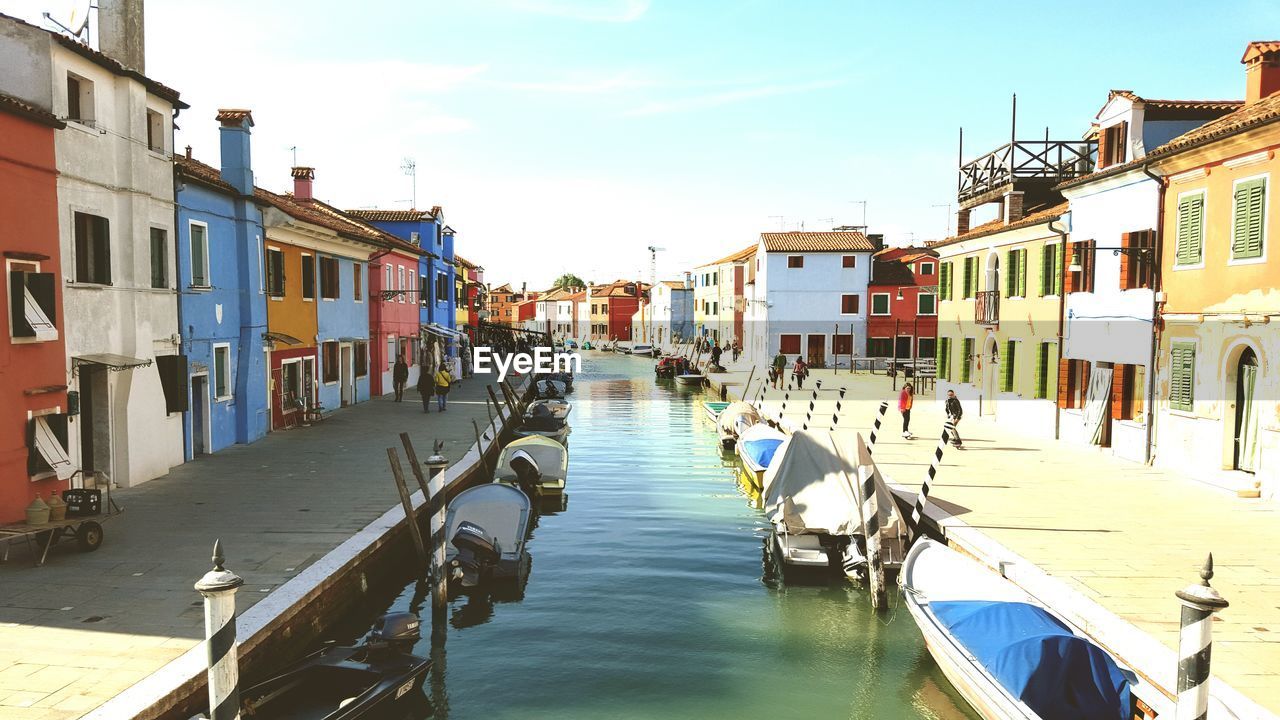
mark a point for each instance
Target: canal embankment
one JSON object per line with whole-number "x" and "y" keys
{"x": 1101, "y": 541}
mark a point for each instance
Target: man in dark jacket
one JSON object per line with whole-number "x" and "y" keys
{"x": 400, "y": 376}
{"x": 426, "y": 388}
{"x": 954, "y": 413}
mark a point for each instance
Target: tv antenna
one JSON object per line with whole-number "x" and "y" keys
{"x": 863, "y": 203}
{"x": 410, "y": 168}
{"x": 294, "y": 149}
{"x": 946, "y": 223}
{"x": 781, "y": 219}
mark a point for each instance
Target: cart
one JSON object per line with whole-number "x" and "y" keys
{"x": 85, "y": 525}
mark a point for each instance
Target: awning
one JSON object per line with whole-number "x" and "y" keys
{"x": 110, "y": 361}
{"x": 281, "y": 337}
{"x": 442, "y": 331}
{"x": 51, "y": 447}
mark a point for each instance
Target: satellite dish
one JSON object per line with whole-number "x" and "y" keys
{"x": 72, "y": 16}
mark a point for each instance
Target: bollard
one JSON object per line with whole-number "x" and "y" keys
{"x": 1195, "y": 641}
{"x": 218, "y": 586}
{"x": 813, "y": 402}
{"x": 871, "y": 526}
{"x": 922, "y": 498}
{"x": 436, "y": 465}
{"x": 875, "y": 429}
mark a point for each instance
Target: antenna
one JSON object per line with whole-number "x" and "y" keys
{"x": 780, "y": 219}
{"x": 946, "y": 223}
{"x": 829, "y": 221}
{"x": 863, "y": 203}
{"x": 410, "y": 168}
{"x": 294, "y": 149}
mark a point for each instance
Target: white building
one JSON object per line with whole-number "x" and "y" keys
{"x": 582, "y": 324}
{"x": 116, "y": 208}
{"x": 668, "y": 315}
{"x": 808, "y": 285}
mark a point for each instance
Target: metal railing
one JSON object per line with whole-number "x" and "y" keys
{"x": 1055, "y": 160}
{"x": 986, "y": 309}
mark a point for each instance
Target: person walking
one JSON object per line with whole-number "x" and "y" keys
{"x": 426, "y": 388}
{"x": 800, "y": 370}
{"x": 444, "y": 382}
{"x": 905, "y": 400}
{"x": 715, "y": 354}
{"x": 954, "y": 413}
{"x": 779, "y": 367}
{"x": 400, "y": 376}
{"x": 737, "y": 350}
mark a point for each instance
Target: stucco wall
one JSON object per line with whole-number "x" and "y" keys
{"x": 807, "y": 301}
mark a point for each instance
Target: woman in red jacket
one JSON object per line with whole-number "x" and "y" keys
{"x": 905, "y": 399}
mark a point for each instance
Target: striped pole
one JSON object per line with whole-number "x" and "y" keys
{"x": 218, "y": 586}
{"x": 871, "y": 526}
{"x": 436, "y": 509}
{"x": 875, "y": 429}
{"x": 1199, "y": 603}
{"x": 835, "y": 416}
{"x": 922, "y": 498}
{"x": 813, "y": 401}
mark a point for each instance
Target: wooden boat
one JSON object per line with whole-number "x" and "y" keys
{"x": 691, "y": 378}
{"x": 549, "y": 460}
{"x": 713, "y": 408}
{"x": 487, "y": 527}
{"x": 641, "y": 349}
{"x": 756, "y": 448}
{"x": 1006, "y": 654}
{"x": 344, "y": 683}
{"x": 733, "y": 420}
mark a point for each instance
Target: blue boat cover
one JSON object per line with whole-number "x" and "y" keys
{"x": 761, "y": 451}
{"x": 1058, "y": 674}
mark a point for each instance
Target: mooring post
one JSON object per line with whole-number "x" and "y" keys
{"x": 436, "y": 465}
{"x": 922, "y": 498}
{"x": 813, "y": 402}
{"x": 875, "y": 429}
{"x": 871, "y": 525}
{"x": 835, "y": 416}
{"x": 218, "y": 586}
{"x": 484, "y": 464}
{"x": 398, "y": 474}
{"x": 497, "y": 406}
{"x": 1195, "y": 641}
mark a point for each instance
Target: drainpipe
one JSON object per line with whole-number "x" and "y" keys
{"x": 1062, "y": 309}
{"x": 187, "y": 439}
{"x": 1157, "y": 286}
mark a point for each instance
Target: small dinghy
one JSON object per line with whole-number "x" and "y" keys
{"x": 1002, "y": 650}
{"x": 691, "y": 378}
{"x": 487, "y": 526}
{"x": 713, "y": 408}
{"x": 548, "y": 387}
{"x": 734, "y": 420}
{"x": 344, "y": 683}
{"x": 642, "y": 349}
{"x": 540, "y": 419}
{"x": 756, "y": 448}
{"x": 559, "y": 408}
{"x": 535, "y": 464}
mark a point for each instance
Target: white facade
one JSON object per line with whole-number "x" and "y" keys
{"x": 582, "y": 327}
{"x": 563, "y": 324}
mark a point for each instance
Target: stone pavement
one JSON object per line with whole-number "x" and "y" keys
{"x": 1123, "y": 535}
{"x": 84, "y": 627}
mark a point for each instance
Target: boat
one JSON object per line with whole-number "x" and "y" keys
{"x": 733, "y": 420}
{"x": 344, "y": 683}
{"x": 572, "y": 345}
{"x": 487, "y": 526}
{"x": 1004, "y": 652}
{"x": 541, "y": 419}
{"x": 691, "y": 378}
{"x": 642, "y": 349}
{"x": 535, "y": 464}
{"x": 756, "y": 448}
{"x": 813, "y": 503}
{"x": 559, "y": 408}
{"x": 548, "y": 387}
{"x": 587, "y": 345}
{"x": 671, "y": 366}
{"x": 713, "y": 408}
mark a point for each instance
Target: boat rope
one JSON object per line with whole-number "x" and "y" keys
{"x": 922, "y": 498}
{"x": 875, "y": 429}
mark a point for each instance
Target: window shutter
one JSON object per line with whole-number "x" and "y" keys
{"x": 1006, "y": 367}
{"x": 1041, "y": 356}
{"x": 17, "y": 305}
{"x": 1059, "y": 251}
{"x": 1246, "y": 241}
{"x": 1190, "y": 227}
{"x": 966, "y": 360}
{"x": 1182, "y": 381}
{"x": 1022, "y": 272}
{"x": 1043, "y": 272}
{"x": 1117, "y": 391}
{"x": 1010, "y": 276}
{"x": 173, "y": 381}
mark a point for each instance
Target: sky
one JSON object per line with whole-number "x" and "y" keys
{"x": 572, "y": 135}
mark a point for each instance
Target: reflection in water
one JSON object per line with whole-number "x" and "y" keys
{"x": 655, "y": 597}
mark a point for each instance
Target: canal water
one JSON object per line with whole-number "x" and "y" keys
{"x": 648, "y": 596}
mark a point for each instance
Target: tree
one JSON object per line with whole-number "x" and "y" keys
{"x": 568, "y": 280}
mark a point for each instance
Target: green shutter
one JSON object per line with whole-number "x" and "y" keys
{"x": 966, "y": 359}
{"x": 1006, "y": 367}
{"x": 1059, "y": 250}
{"x": 1246, "y": 241}
{"x": 1042, "y": 366}
{"x": 942, "y": 358}
{"x": 1042, "y": 288}
{"x": 1190, "y": 244}
{"x": 1010, "y": 274}
{"x": 1022, "y": 272}
{"x": 946, "y": 281}
{"x": 1182, "y": 377}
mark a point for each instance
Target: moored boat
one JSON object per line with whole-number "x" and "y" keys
{"x": 559, "y": 408}
{"x": 642, "y": 349}
{"x": 733, "y": 420}
{"x": 487, "y": 526}
{"x": 691, "y": 378}
{"x": 756, "y": 448}
{"x": 544, "y": 419}
{"x": 537, "y": 465}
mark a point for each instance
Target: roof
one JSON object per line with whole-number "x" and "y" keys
{"x": 1258, "y": 48}
{"x": 834, "y": 241}
{"x": 207, "y": 174}
{"x": 740, "y": 256}
{"x": 459, "y": 260}
{"x": 503, "y": 288}
{"x": 234, "y": 116}
{"x": 580, "y": 295}
{"x": 673, "y": 284}
{"x": 326, "y": 216}
{"x": 1037, "y": 217}
{"x": 396, "y": 215}
{"x": 617, "y": 288}
{"x": 1210, "y": 105}
{"x": 14, "y": 106}
{"x": 891, "y": 272}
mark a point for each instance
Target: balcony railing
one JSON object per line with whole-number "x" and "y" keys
{"x": 1051, "y": 160}
{"x": 986, "y": 311}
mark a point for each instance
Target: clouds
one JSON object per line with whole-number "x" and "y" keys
{"x": 615, "y": 11}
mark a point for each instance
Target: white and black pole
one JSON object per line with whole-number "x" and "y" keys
{"x": 922, "y": 498}
{"x": 436, "y": 510}
{"x": 1199, "y": 603}
{"x": 835, "y": 416}
{"x": 813, "y": 402}
{"x": 875, "y": 429}
{"x": 218, "y": 586}
{"x": 871, "y": 526}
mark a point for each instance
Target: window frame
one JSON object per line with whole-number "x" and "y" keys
{"x": 357, "y": 281}
{"x": 156, "y": 127}
{"x": 327, "y": 366}
{"x": 888, "y": 307}
{"x": 85, "y": 97}
{"x": 922, "y": 313}
{"x": 1266, "y": 203}
{"x": 95, "y": 252}
{"x": 164, "y": 257}
{"x": 795, "y": 262}
{"x": 335, "y": 285}
{"x": 848, "y": 262}
{"x": 783, "y": 337}
{"x": 308, "y": 274}
{"x": 191, "y": 252}
{"x": 929, "y": 268}
{"x": 267, "y": 271}
{"x": 857, "y": 304}
{"x": 20, "y": 265}
{"x": 228, "y": 386}
{"x": 1187, "y": 409}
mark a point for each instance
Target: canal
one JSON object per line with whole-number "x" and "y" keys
{"x": 648, "y": 598}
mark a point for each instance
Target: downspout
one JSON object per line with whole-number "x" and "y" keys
{"x": 1157, "y": 287}
{"x": 187, "y": 440}
{"x": 1062, "y": 309}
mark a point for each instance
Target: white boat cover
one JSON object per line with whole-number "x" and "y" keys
{"x": 736, "y": 418}
{"x": 502, "y": 510}
{"x": 551, "y": 457}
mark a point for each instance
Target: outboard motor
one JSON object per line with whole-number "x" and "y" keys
{"x": 541, "y": 418}
{"x": 528, "y": 474}
{"x": 397, "y": 632}
{"x": 478, "y": 553}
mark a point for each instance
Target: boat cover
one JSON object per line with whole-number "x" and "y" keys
{"x": 759, "y": 443}
{"x": 1037, "y": 658}
{"x": 550, "y": 456}
{"x": 737, "y": 417}
{"x": 502, "y": 510}
{"x": 810, "y": 489}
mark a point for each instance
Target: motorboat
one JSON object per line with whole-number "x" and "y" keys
{"x": 572, "y": 345}
{"x": 713, "y": 408}
{"x": 734, "y": 420}
{"x": 691, "y": 378}
{"x": 756, "y": 448}
{"x": 1004, "y": 651}
{"x": 813, "y": 501}
{"x": 541, "y": 419}
{"x": 642, "y": 349}
{"x": 549, "y": 387}
{"x": 487, "y": 526}
{"x": 535, "y": 464}
{"x": 344, "y": 683}
{"x": 559, "y": 408}
{"x": 671, "y": 366}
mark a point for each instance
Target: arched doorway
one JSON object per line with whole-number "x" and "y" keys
{"x": 993, "y": 272}
{"x": 1246, "y": 416}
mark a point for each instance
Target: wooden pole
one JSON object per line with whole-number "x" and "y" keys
{"x": 497, "y": 407}
{"x": 412, "y": 457}
{"x": 436, "y": 507}
{"x": 412, "y": 519}
{"x": 746, "y": 388}
{"x": 480, "y": 448}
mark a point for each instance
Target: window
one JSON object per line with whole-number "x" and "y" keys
{"x": 308, "y": 277}
{"x": 159, "y": 258}
{"x": 944, "y": 282}
{"x": 47, "y": 447}
{"x": 1182, "y": 373}
{"x": 1111, "y": 145}
{"x": 199, "y": 233}
{"x": 1190, "y": 232}
{"x": 1137, "y": 271}
{"x": 1051, "y": 270}
{"x": 1247, "y": 227}
{"x": 1015, "y": 274}
{"x": 848, "y": 261}
{"x": 927, "y": 268}
{"x": 360, "y": 350}
{"x": 329, "y": 357}
{"x": 1127, "y": 392}
{"x": 275, "y": 272}
{"x": 926, "y": 347}
{"x": 926, "y": 304}
{"x": 32, "y": 304}
{"x": 1044, "y": 361}
{"x": 442, "y": 288}
{"x": 966, "y": 361}
{"x": 329, "y": 278}
{"x": 357, "y": 281}
{"x": 409, "y": 285}
{"x": 944, "y": 358}
{"x": 391, "y": 352}
{"x": 1083, "y": 256}
{"x": 1009, "y": 366}
{"x": 155, "y": 131}
{"x": 879, "y": 303}
{"x": 400, "y": 283}
{"x": 795, "y": 261}
{"x": 789, "y": 344}
{"x": 222, "y": 372}
{"x": 93, "y": 249}
{"x": 842, "y": 344}
{"x": 849, "y": 304}
{"x": 80, "y": 107}
{"x": 880, "y": 347}
{"x": 969, "y": 279}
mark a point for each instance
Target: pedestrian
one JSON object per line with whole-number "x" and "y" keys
{"x": 954, "y": 413}
{"x": 715, "y": 354}
{"x": 800, "y": 370}
{"x": 400, "y": 376}
{"x": 426, "y": 388}
{"x": 905, "y": 400}
{"x": 779, "y": 367}
{"x": 737, "y": 350}
{"x": 444, "y": 382}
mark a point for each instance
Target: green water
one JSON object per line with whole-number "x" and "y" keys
{"x": 647, "y": 597}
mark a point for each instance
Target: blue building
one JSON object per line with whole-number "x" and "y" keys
{"x": 222, "y": 311}
{"x": 342, "y": 319}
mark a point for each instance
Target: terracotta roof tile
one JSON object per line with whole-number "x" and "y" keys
{"x": 834, "y": 241}
{"x": 1211, "y": 105}
{"x": 740, "y": 256}
{"x": 233, "y": 116}
{"x": 20, "y": 108}
{"x": 1037, "y": 217}
{"x": 1260, "y": 47}
{"x": 395, "y": 215}
{"x": 200, "y": 172}
{"x": 326, "y": 216}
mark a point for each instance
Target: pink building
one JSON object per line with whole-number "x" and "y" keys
{"x": 394, "y": 313}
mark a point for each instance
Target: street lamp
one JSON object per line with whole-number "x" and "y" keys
{"x": 1142, "y": 254}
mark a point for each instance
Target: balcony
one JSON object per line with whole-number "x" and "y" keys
{"x": 986, "y": 309}
{"x": 1024, "y": 162}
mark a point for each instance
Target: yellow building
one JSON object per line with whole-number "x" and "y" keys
{"x": 718, "y": 291}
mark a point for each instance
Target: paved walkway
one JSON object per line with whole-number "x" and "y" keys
{"x": 1123, "y": 535}
{"x": 84, "y": 627}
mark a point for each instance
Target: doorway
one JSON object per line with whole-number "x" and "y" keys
{"x": 1246, "y": 418}
{"x": 816, "y": 351}
{"x": 989, "y": 364}
{"x": 902, "y": 347}
{"x": 345, "y": 379}
{"x": 95, "y": 419}
{"x": 199, "y": 415}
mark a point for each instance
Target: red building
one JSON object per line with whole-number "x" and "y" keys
{"x": 393, "y": 313}
{"x": 902, "y": 315}
{"x": 33, "y": 382}
{"x": 622, "y": 298}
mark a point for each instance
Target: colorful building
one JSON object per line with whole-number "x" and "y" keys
{"x": 394, "y": 313}
{"x": 668, "y": 315}
{"x": 719, "y": 312}
{"x": 615, "y": 304}
{"x": 34, "y": 459}
{"x": 902, "y": 306}
{"x": 502, "y": 303}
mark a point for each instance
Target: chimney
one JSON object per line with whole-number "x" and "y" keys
{"x": 303, "y": 177}
{"x": 1013, "y": 210}
{"x": 688, "y": 280}
{"x": 120, "y": 32}
{"x": 236, "y": 166}
{"x": 1261, "y": 70}
{"x": 962, "y": 221}
{"x": 877, "y": 241}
